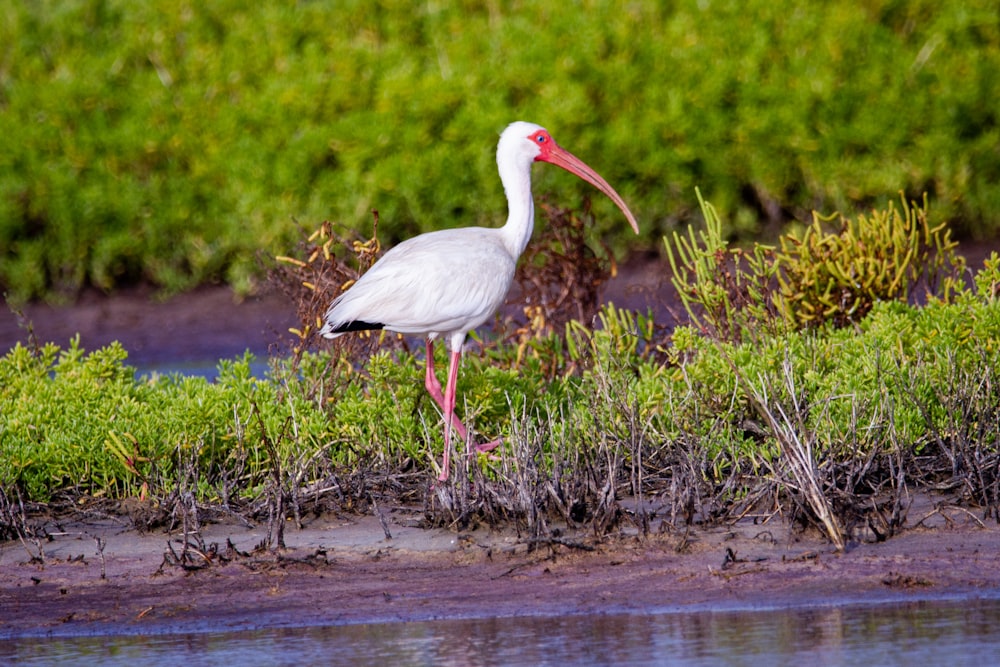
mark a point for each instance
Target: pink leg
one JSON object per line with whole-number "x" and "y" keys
{"x": 434, "y": 389}
{"x": 449, "y": 409}
{"x": 446, "y": 402}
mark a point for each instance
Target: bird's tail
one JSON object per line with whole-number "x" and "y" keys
{"x": 334, "y": 329}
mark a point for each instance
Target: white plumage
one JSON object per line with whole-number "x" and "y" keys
{"x": 413, "y": 289}
{"x": 446, "y": 283}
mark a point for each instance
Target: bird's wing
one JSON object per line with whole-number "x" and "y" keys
{"x": 441, "y": 282}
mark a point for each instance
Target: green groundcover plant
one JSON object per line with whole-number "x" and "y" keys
{"x": 840, "y": 422}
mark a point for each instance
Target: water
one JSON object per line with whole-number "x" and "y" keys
{"x": 955, "y": 633}
{"x": 204, "y": 369}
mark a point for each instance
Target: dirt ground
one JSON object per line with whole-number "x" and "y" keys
{"x": 102, "y": 577}
{"x": 345, "y": 570}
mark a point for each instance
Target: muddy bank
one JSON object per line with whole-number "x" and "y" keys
{"x": 344, "y": 570}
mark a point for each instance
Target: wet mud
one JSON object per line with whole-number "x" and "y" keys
{"x": 102, "y": 577}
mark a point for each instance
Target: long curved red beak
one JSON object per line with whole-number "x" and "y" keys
{"x": 559, "y": 156}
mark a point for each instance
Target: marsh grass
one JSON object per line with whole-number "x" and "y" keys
{"x": 606, "y": 428}
{"x": 796, "y": 442}
{"x": 17, "y": 523}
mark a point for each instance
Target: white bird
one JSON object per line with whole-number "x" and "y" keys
{"x": 446, "y": 283}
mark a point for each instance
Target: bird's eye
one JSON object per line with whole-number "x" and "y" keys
{"x": 540, "y": 138}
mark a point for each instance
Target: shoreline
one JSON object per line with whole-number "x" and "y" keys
{"x": 342, "y": 570}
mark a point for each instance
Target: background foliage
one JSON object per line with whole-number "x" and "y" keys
{"x": 170, "y": 141}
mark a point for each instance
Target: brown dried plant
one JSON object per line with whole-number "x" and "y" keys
{"x": 559, "y": 278}
{"x": 326, "y": 262}
{"x": 558, "y": 281}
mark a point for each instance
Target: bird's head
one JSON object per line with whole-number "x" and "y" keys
{"x": 533, "y": 143}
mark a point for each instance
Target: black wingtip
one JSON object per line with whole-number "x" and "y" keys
{"x": 357, "y": 325}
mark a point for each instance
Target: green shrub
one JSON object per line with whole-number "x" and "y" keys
{"x": 887, "y": 256}
{"x": 169, "y": 143}
{"x": 817, "y": 276}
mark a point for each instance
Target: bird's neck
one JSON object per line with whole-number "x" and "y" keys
{"x": 516, "y": 181}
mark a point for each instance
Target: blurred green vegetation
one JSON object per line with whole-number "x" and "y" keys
{"x": 169, "y": 142}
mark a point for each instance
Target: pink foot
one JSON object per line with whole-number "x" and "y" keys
{"x": 486, "y": 447}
